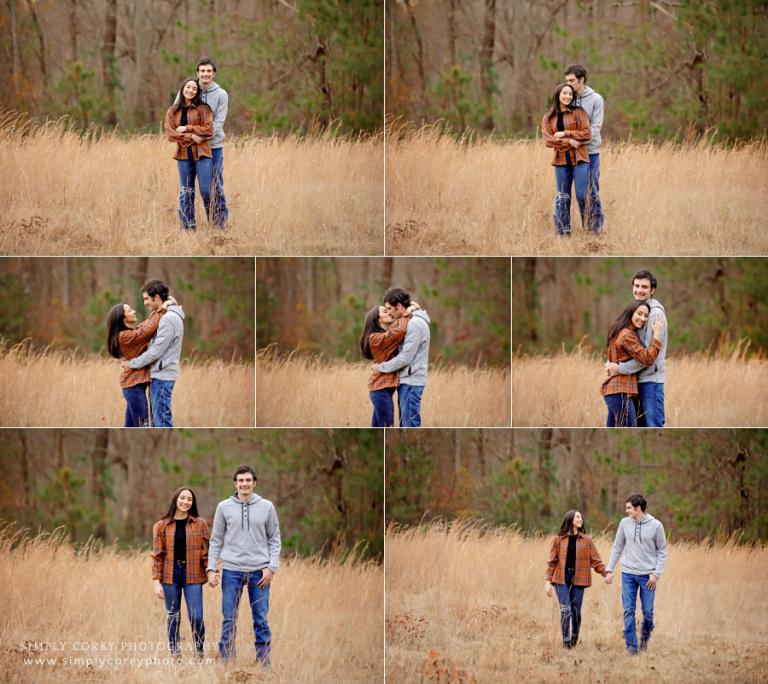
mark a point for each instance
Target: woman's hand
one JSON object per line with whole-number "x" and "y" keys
{"x": 548, "y": 588}
{"x": 181, "y": 129}
{"x": 413, "y": 307}
{"x": 657, "y": 328}
{"x": 168, "y": 302}
{"x": 560, "y": 134}
{"x": 159, "y": 590}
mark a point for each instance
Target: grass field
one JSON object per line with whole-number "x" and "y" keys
{"x": 699, "y": 391}
{"x": 308, "y": 391}
{"x": 55, "y": 389}
{"x": 63, "y": 194}
{"x": 326, "y": 619}
{"x": 496, "y": 198}
{"x": 464, "y": 607}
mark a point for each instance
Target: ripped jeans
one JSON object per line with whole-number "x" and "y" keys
{"x": 565, "y": 176}
{"x": 189, "y": 169}
{"x": 193, "y": 595}
{"x": 570, "y": 598}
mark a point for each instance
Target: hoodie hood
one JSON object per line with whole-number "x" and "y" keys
{"x": 176, "y": 308}
{"x": 646, "y": 520}
{"x": 422, "y": 314}
{"x": 245, "y": 508}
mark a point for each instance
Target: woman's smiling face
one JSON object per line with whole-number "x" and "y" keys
{"x": 184, "y": 501}
{"x": 640, "y": 316}
{"x": 129, "y": 314}
{"x": 190, "y": 90}
{"x": 566, "y": 96}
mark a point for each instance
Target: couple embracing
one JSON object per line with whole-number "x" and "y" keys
{"x": 396, "y": 338}
{"x": 150, "y": 352}
{"x": 245, "y": 537}
{"x": 573, "y": 554}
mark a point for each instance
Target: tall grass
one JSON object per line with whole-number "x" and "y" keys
{"x": 59, "y": 389}
{"x": 326, "y": 619}
{"x": 480, "y": 196}
{"x": 467, "y": 604}
{"x": 310, "y": 391}
{"x": 67, "y": 193}
{"x": 700, "y": 390}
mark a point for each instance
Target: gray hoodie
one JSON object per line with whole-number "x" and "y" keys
{"x": 654, "y": 372}
{"x": 245, "y": 535}
{"x": 218, "y": 100}
{"x": 644, "y": 545}
{"x": 413, "y": 356}
{"x": 165, "y": 347}
{"x": 593, "y": 104}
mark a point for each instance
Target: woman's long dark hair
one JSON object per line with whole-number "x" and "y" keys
{"x": 372, "y": 325}
{"x": 172, "y": 508}
{"x": 556, "y": 99}
{"x": 115, "y": 325}
{"x": 567, "y": 526}
{"x": 625, "y": 318}
{"x": 197, "y": 100}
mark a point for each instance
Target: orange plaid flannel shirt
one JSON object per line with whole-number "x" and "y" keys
{"x": 384, "y": 346}
{"x": 624, "y": 347}
{"x": 133, "y": 343}
{"x": 199, "y": 121}
{"x": 576, "y": 125}
{"x": 197, "y": 550}
{"x": 587, "y": 557}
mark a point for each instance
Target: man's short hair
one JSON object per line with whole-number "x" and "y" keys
{"x": 156, "y": 287}
{"x": 637, "y": 500}
{"x": 205, "y": 60}
{"x": 242, "y": 469}
{"x": 397, "y": 295}
{"x": 644, "y": 274}
{"x": 577, "y": 70}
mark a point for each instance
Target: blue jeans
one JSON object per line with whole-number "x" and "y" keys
{"x": 595, "y": 217}
{"x": 565, "y": 176}
{"x": 136, "y": 410}
{"x": 630, "y": 584}
{"x": 160, "y": 399}
{"x": 570, "y": 598}
{"x": 651, "y": 404}
{"x": 188, "y": 170}
{"x": 621, "y": 410}
{"x": 383, "y": 407}
{"x": 220, "y": 209}
{"x": 409, "y": 404}
{"x": 193, "y": 596}
{"x": 232, "y": 585}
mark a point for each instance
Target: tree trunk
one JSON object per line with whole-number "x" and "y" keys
{"x": 98, "y": 472}
{"x": 41, "y": 48}
{"x": 13, "y": 13}
{"x": 73, "y": 30}
{"x": 108, "y": 62}
{"x": 486, "y": 62}
{"x": 419, "y": 55}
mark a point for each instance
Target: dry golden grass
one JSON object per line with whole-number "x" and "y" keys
{"x": 497, "y": 198}
{"x": 62, "y": 194}
{"x": 326, "y": 620}
{"x": 54, "y": 389}
{"x": 311, "y": 392}
{"x": 463, "y": 607}
{"x": 699, "y": 391}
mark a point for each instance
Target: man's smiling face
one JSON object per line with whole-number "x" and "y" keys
{"x": 205, "y": 74}
{"x": 641, "y": 289}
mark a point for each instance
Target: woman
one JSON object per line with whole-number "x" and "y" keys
{"x": 571, "y": 556}
{"x": 382, "y": 335}
{"x": 620, "y": 391}
{"x": 565, "y": 127}
{"x": 126, "y": 340}
{"x": 189, "y": 123}
{"x": 179, "y": 558}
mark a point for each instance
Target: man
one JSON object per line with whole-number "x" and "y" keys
{"x": 163, "y": 352}
{"x": 246, "y": 536}
{"x": 642, "y": 540}
{"x": 592, "y": 103}
{"x": 218, "y": 100}
{"x": 412, "y": 358}
{"x": 650, "y": 379}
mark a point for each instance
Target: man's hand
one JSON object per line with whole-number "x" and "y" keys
{"x": 573, "y": 143}
{"x": 159, "y": 590}
{"x": 181, "y": 129}
{"x": 197, "y": 138}
{"x": 266, "y": 578}
{"x": 657, "y": 328}
{"x": 652, "y": 580}
{"x": 611, "y": 368}
{"x": 213, "y": 578}
{"x": 609, "y": 578}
